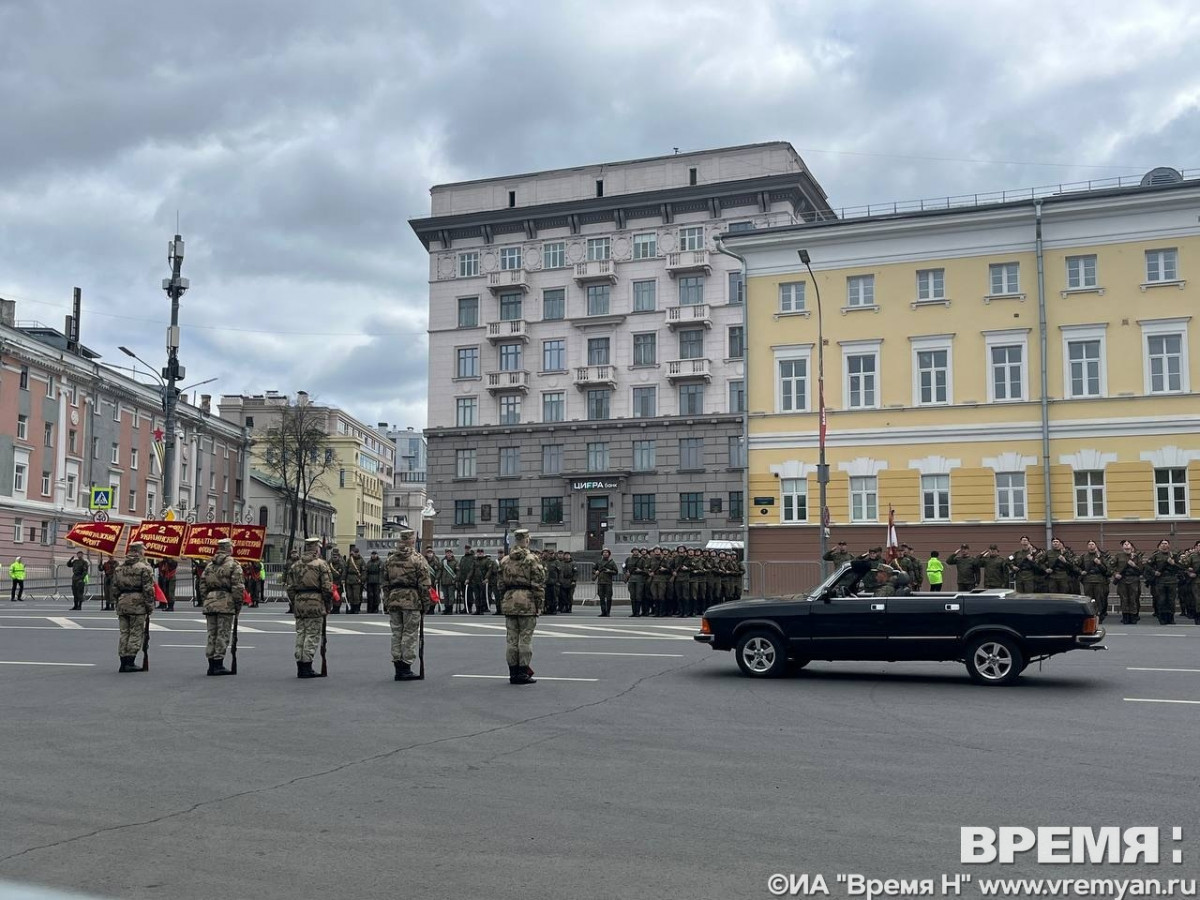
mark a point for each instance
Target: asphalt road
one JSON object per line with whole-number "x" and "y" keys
{"x": 660, "y": 772}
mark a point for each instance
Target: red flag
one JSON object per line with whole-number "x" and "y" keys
{"x": 893, "y": 545}
{"x": 162, "y": 539}
{"x": 102, "y": 537}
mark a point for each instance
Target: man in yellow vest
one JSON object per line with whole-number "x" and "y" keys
{"x": 17, "y": 573}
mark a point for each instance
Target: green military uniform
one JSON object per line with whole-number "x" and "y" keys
{"x": 1189, "y": 584}
{"x": 967, "y": 565}
{"x": 995, "y": 568}
{"x": 1060, "y": 568}
{"x": 1027, "y": 566}
{"x": 353, "y": 573}
{"x": 1127, "y": 575}
{"x": 522, "y": 583}
{"x": 447, "y": 575}
{"x": 374, "y": 582}
{"x": 337, "y": 571}
{"x": 659, "y": 569}
{"x": 221, "y": 591}
{"x": 1167, "y": 570}
{"x": 549, "y": 563}
{"x": 80, "y": 568}
{"x": 1095, "y": 569}
{"x": 310, "y": 588}
{"x": 636, "y": 578}
{"x": 477, "y": 583}
{"x": 912, "y": 568}
{"x": 408, "y": 583}
{"x": 133, "y": 588}
{"x": 568, "y": 576}
{"x": 838, "y": 555}
{"x": 493, "y": 583}
{"x": 605, "y": 572}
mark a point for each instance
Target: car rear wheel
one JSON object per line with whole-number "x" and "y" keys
{"x": 995, "y": 660}
{"x": 761, "y": 654}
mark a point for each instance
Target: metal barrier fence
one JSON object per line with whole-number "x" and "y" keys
{"x": 778, "y": 578}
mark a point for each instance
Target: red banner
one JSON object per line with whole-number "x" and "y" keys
{"x": 201, "y": 541}
{"x": 103, "y": 537}
{"x": 162, "y": 539}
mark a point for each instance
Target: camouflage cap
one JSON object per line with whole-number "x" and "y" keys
{"x": 312, "y": 540}
{"x": 137, "y": 546}
{"x": 407, "y": 537}
{"x": 225, "y": 542}
{"x": 519, "y": 533}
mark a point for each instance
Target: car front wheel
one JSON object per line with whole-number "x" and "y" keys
{"x": 995, "y": 660}
{"x": 761, "y": 654}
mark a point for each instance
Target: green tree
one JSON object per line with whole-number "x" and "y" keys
{"x": 296, "y": 451}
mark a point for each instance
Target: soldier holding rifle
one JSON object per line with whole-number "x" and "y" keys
{"x": 310, "y": 588}
{"x": 133, "y": 589}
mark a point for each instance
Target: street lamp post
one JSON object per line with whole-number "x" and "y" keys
{"x": 175, "y": 287}
{"x": 822, "y": 465}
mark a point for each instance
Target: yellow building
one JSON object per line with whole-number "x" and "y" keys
{"x": 968, "y": 352}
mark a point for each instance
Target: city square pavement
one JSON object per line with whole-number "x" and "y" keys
{"x": 652, "y": 770}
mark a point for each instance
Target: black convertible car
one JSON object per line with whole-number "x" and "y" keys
{"x": 996, "y": 633}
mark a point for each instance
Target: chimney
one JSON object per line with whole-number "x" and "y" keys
{"x": 8, "y": 312}
{"x": 302, "y": 398}
{"x": 206, "y": 403}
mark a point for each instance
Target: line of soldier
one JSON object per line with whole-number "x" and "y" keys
{"x": 682, "y": 583}
{"x": 1171, "y": 577}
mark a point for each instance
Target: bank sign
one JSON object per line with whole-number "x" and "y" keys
{"x": 600, "y": 484}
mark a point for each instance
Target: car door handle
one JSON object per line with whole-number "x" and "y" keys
{"x": 878, "y": 607}
{"x": 953, "y": 607}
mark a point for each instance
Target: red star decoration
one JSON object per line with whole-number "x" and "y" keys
{"x": 158, "y": 434}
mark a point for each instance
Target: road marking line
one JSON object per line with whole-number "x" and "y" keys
{"x": 201, "y": 646}
{"x": 11, "y": 662}
{"x": 250, "y": 630}
{"x": 611, "y": 630}
{"x": 539, "y": 678}
{"x": 602, "y": 653}
{"x": 1142, "y": 634}
{"x": 51, "y": 628}
{"x": 1145, "y": 669}
{"x": 63, "y": 622}
{"x": 1151, "y": 700}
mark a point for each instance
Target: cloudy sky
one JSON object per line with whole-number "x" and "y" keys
{"x": 295, "y": 138}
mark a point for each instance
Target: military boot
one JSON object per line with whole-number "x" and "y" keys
{"x": 514, "y": 674}
{"x": 127, "y": 664}
{"x": 399, "y": 669}
{"x": 217, "y": 667}
{"x": 305, "y": 670}
{"x": 406, "y": 673}
{"x": 529, "y": 679}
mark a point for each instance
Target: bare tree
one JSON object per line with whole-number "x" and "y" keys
{"x": 296, "y": 451}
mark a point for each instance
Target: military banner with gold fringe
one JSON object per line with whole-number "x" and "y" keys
{"x": 162, "y": 539}
{"x": 103, "y": 537}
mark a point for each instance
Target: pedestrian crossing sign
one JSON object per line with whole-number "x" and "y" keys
{"x": 101, "y": 498}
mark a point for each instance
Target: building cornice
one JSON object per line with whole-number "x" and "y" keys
{"x": 441, "y": 432}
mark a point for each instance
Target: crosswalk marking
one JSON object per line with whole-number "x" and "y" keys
{"x": 63, "y": 621}
{"x": 539, "y": 678}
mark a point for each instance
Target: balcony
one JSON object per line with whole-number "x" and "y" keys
{"x": 508, "y": 330}
{"x": 689, "y": 369}
{"x": 508, "y": 280}
{"x": 595, "y": 377}
{"x": 594, "y": 270}
{"x": 688, "y": 261}
{"x": 508, "y": 381}
{"x": 689, "y": 316}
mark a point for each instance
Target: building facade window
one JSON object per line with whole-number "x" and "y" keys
{"x": 864, "y": 498}
{"x": 1010, "y": 495}
{"x": 737, "y": 396}
{"x": 691, "y": 453}
{"x": 133, "y": 458}
{"x": 554, "y": 304}
{"x": 737, "y": 505}
{"x": 1007, "y": 362}
{"x": 45, "y": 484}
{"x": 932, "y": 376}
{"x": 597, "y": 456}
{"x": 645, "y": 402}
{"x": 791, "y": 379}
{"x": 510, "y": 410}
{"x": 691, "y": 506}
{"x": 464, "y": 512}
{"x": 691, "y": 343}
{"x": 931, "y": 284}
{"x": 645, "y": 246}
{"x": 599, "y": 404}
{"x": 598, "y": 299}
{"x": 1089, "y": 495}
{"x": 737, "y": 342}
{"x": 737, "y": 452}
{"x": 552, "y": 459}
{"x": 511, "y": 258}
{"x": 1085, "y": 368}
{"x": 468, "y": 363}
{"x": 554, "y": 355}
{"x": 691, "y": 290}
{"x": 860, "y": 290}
{"x": 1004, "y": 278}
{"x": 691, "y": 399}
{"x": 793, "y": 499}
{"x": 935, "y": 498}
{"x": 1162, "y": 265}
{"x": 510, "y": 357}
{"x": 645, "y": 349}
{"x": 510, "y": 307}
{"x": 114, "y": 453}
{"x": 597, "y": 349}
{"x": 554, "y": 255}
{"x": 1170, "y": 493}
{"x": 644, "y": 456}
{"x": 508, "y": 509}
{"x": 645, "y": 296}
{"x": 1081, "y": 272}
{"x": 554, "y": 407}
{"x": 791, "y": 297}
{"x": 598, "y": 249}
{"x": 466, "y": 412}
{"x": 552, "y": 510}
{"x": 22, "y": 427}
{"x": 861, "y": 391}
{"x": 464, "y": 463}
{"x": 1166, "y": 361}
{"x": 48, "y": 435}
{"x": 737, "y": 288}
{"x": 510, "y": 462}
{"x": 643, "y": 507}
{"x": 691, "y": 238}
{"x": 468, "y": 264}
{"x": 23, "y": 379}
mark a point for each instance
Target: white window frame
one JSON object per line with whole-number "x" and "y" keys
{"x": 643, "y": 240}
{"x": 18, "y": 531}
{"x": 512, "y": 258}
{"x": 554, "y": 255}
{"x": 72, "y": 481}
{"x": 931, "y": 285}
{"x": 133, "y": 457}
{"x": 1008, "y": 287}
{"x": 791, "y": 490}
{"x": 935, "y": 488}
{"x": 645, "y": 455}
{"x": 1072, "y": 334}
{"x": 599, "y": 249}
{"x": 864, "y": 492}
{"x": 460, "y": 406}
{"x": 634, "y": 294}
{"x": 561, "y": 403}
{"x": 1011, "y": 337}
{"x": 792, "y": 353}
{"x": 861, "y": 348}
{"x": 932, "y": 344}
{"x": 633, "y": 404}
{"x": 1012, "y": 494}
{"x": 47, "y": 484}
{"x": 1156, "y": 265}
{"x": 115, "y": 457}
{"x": 860, "y": 291}
{"x": 1077, "y": 272}
{"x": 508, "y": 461}
{"x": 22, "y": 427}
{"x": 468, "y": 264}
{"x": 1085, "y": 493}
{"x": 513, "y": 403}
{"x": 691, "y": 237}
{"x": 1187, "y": 500}
{"x": 792, "y": 297}
{"x": 1165, "y": 328}
{"x": 466, "y": 463}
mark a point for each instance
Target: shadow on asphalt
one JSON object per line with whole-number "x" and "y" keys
{"x": 1030, "y": 681}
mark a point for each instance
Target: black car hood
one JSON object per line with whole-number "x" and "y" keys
{"x": 750, "y": 604}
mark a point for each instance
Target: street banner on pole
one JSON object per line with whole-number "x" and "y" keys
{"x": 162, "y": 539}
{"x": 103, "y": 537}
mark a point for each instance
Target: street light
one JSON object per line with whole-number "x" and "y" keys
{"x": 175, "y": 286}
{"x": 822, "y": 465}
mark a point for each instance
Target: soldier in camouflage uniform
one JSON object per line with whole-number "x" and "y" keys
{"x": 635, "y": 579}
{"x": 1095, "y": 568}
{"x": 605, "y": 572}
{"x": 522, "y": 583}
{"x": 966, "y": 565}
{"x": 1127, "y": 576}
{"x": 310, "y": 588}
{"x": 1025, "y": 563}
{"x": 353, "y": 571}
{"x": 1060, "y": 567}
{"x": 477, "y": 583}
{"x": 133, "y": 590}
{"x": 447, "y": 576}
{"x": 221, "y": 591}
{"x": 374, "y": 581}
{"x": 408, "y": 583}
{"x": 286, "y": 576}
{"x": 569, "y": 574}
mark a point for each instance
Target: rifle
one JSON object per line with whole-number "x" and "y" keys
{"x": 146, "y": 646}
{"x": 421, "y": 649}
{"x": 324, "y": 644}
{"x": 233, "y": 647}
